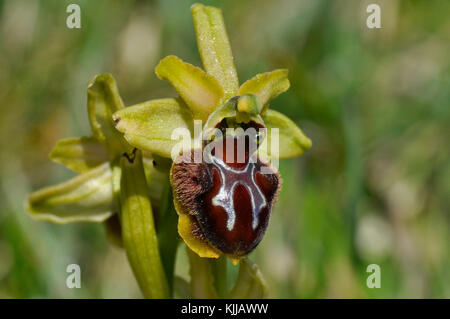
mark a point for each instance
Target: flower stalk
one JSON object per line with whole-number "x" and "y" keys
{"x": 167, "y": 242}
{"x": 220, "y": 273}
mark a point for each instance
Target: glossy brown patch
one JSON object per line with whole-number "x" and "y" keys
{"x": 235, "y": 224}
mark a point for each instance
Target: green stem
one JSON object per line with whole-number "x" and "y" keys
{"x": 202, "y": 277}
{"x": 138, "y": 229}
{"x": 220, "y": 275}
{"x": 167, "y": 234}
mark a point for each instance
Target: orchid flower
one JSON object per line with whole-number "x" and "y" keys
{"x": 134, "y": 177}
{"x": 214, "y": 97}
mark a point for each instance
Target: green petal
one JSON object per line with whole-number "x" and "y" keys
{"x": 138, "y": 229}
{"x": 202, "y": 279}
{"x": 200, "y": 91}
{"x": 266, "y": 86}
{"x": 292, "y": 141}
{"x": 86, "y": 197}
{"x": 103, "y": 101}
{"x": 228, "y": 110}
{"x": 214, "y": 47}
{"x": 249, "y": 104}
{"x": 250, "y": 284}
{"x": 149, "y": 125}
{"x": 79, "y": 154}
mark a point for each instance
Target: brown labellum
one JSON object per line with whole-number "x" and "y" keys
{"x": 228, "y": 193}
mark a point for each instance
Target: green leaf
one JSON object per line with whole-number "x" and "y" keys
{"x": 86, "y": 197}
{"x": 103, "y": 101}
{"x": 202, "y": 279}
{"x": 200, "y": 91}
{"x": 79, "y": 154}
{"x": 138, "y": 229}
{"x": 149, "y": 125}
{"x": 292, "y": 141}
{"x": 266, "y": 86}
{"x": 250, "y": 284}
{"x": 214, "y": 47}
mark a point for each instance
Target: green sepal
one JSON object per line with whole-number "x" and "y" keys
{"x": 138, "y": 228}
{"x": 103, "y": 101}
{"x": 214, "y": 47}
{"x": 149, "y": 125}
{"x": 292, "y": 141}
{"x": 200, "y": 91}
{"x": 79, "y": 154}
{"x": 250, "y": 283}
{"x": 86, "y": 197}
{"x": 266, "y": 86}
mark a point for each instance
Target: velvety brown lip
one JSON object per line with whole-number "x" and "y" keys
{"x": 199, "y": 183}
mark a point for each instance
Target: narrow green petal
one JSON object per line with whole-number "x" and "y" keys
{"x": 249, "y": 103}
{"x": 266, "y": 86}
{"x": 103, "y": 101}
{"x": 200, "y": 91}
{"x": 227, "y": 111}
{"x": 250, "y": 284}
{"x": 138, "y": 229}
{"x": 292, "y": 142}
{"x": 79, "y": 154}
{"x": 149, "y": 125}
{"x": 86, "y": 197}
{"x": 214, "y": 47}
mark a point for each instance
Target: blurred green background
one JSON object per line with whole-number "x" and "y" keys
{"x": 374, "y": 188}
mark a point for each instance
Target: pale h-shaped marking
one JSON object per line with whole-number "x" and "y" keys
{"x": 225, "y": 196}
